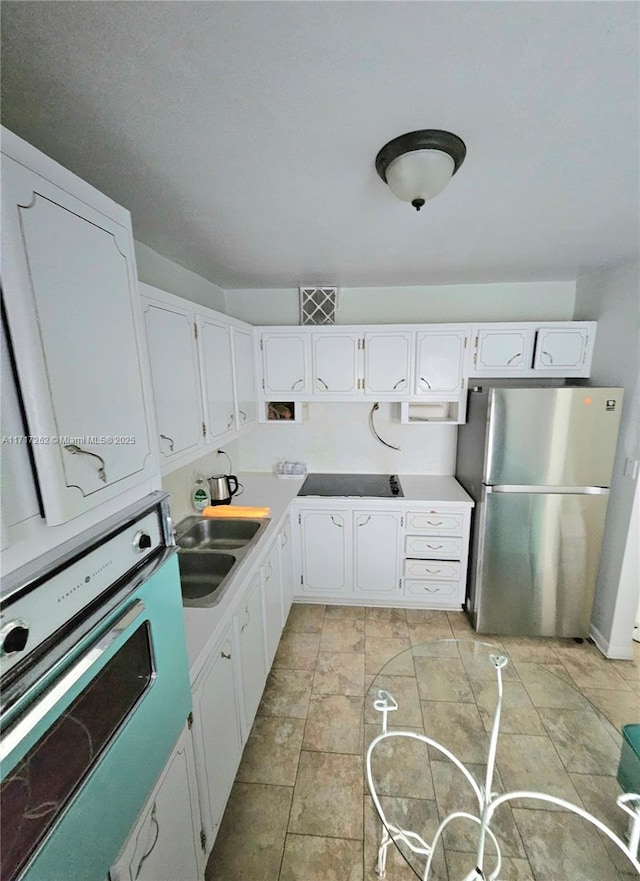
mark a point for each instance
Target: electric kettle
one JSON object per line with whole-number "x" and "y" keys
{"x": 222, "y": 487}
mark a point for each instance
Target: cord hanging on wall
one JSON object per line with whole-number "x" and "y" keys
{"x": 375, "y": 407}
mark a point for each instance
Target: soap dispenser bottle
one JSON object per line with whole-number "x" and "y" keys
{"x": 200, "y": 497}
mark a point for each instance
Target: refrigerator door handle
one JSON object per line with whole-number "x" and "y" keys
{"x": 549, "y": 490}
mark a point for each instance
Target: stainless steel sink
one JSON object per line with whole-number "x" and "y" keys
{"x": 203, "y": 574}
{"x": 209, "y": 551}
{"x": 218, "y": 534}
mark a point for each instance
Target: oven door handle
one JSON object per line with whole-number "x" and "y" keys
{"x": 35, "y": 715}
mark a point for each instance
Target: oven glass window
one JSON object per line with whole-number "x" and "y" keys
{"x": 36, "y": 791}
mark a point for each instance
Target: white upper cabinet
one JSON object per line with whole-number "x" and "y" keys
{"x": 507, "y": 348}
{"x": 175, "y": 375}
{"x": 284, "y": 363}
{"x": 70, "y": 287}
{"x": 387, "y": 362}
{"x": 203, "y": 373}
{"x": 334, "y": 363}
{"x": 214, "y": 340}
{"x": 558, "y": 349}
{"x": 563, "y": 348}
{"x": 440, "y": 356}
{"x": 244, "y": 374}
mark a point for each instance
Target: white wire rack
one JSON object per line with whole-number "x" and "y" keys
{"x": 487, "y": 800}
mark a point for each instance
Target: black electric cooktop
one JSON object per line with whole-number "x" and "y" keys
{"x": 376, "y": 486}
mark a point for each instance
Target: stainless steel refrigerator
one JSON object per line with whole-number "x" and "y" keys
{"x": 538, "y": 464}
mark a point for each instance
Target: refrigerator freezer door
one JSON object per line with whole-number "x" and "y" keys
{"x": 552, "y": 436}
{"x": 537, "y": 563}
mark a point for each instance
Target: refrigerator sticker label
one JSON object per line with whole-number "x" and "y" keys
{"x": 611, "y": 405}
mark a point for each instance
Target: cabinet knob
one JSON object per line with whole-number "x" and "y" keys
{"x": 226, "y": 656}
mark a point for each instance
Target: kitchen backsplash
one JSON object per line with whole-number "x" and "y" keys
{"x": 336, "y": 437}
{"x": 331, "y": 437}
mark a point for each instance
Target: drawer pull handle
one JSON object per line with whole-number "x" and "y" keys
{"x": 335, "y": 522}
{"x": 425, "y": 382}
{"x": 169, "y": 441}
{"x": 399, "y": 382}
{"x": 226, "y": 656}
{"x": 432, "y": 589}
{"x": 431, "y": 523}
{"x": 434, "y": 547}
{"x": 297, "y": 382}
{"x": 363, "y": 522}
{"x": 513, "y": 358}
{"x": 320, "y": 379}
{"x": 246, "y": 611}
{"x": 433, "y": 571}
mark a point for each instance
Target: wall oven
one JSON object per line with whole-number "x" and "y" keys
{"x": 94, "y": 694}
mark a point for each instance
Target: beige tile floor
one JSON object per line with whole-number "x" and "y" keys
{"x": 299, "y": 809}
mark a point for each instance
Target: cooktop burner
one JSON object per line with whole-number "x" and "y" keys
{"x": 378, "y": 486}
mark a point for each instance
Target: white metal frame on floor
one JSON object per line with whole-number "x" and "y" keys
{"x": 488, "y": 801}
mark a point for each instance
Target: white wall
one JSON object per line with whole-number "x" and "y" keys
{"x": 516, "y": 301}
{"x": 612, "y": 298}
{"x": 156, "y": 270}
{"x": 336, "y": 437}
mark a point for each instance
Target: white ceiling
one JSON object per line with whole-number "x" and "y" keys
{"x": 242, "y": 135}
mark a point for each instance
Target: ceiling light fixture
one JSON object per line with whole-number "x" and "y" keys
{"x": 417, "y": 166}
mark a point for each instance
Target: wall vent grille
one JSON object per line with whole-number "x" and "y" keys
{"x": 318, "y": 305}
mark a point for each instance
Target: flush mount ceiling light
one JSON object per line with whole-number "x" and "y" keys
{"x": 417, "y": 166}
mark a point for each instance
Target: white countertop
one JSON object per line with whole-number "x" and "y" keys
{"x": 204, "y": 626}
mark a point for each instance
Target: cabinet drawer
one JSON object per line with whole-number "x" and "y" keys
{"x": 435, "y": 547}
{"x": 435, "y": 522}
{"x": 434, "y": 592}
{"x": 440, "y": 569}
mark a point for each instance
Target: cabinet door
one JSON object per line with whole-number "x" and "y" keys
{"x": 325, "y": 548}
{"x": 217, "y": 377}
{"x": 70, "y": 287}
{"x": 272, "y": 601}
{"x": 439, "y": 362}
{"x": 19, "y": 497}
{"x": 216, "y": 734}
{"x": 284, "y": 363}
{"x": 335, "y": 363}
{"x": 503, "y": 351}
{"x": 175, "y": 375}
{"x": 561, "y": 349}
{"x": 286, "y": 571}
{"x": 387, "y": 363}
{"x": 249, "y": 636}
{"x": 245, "y": 382}
{"x": 376, "y": 538}
{"x": 165, "y": 843}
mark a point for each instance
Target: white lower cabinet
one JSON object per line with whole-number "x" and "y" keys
{"x": 347, "y": 553}
{"x": 325, "y": 551}
{"x": 271, "y": 582}
{"x": 376, "y": 545}
{"x": 165, "y": 844}
{"x": 216, "y": 734}
{"x": 248, "y": 634}
{"x": 286, "y": 570}
{"x": 403, "y": 555}
{"x": 436, "y": 547}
